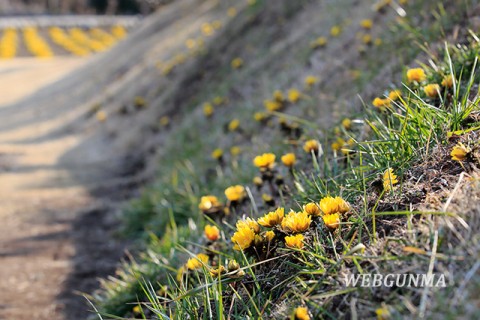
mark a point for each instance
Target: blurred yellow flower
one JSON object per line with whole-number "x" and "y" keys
{"x": 232, "y": 12}
{"x": 278, "y": 96}
{"x": 367, "y": 39}
{"x": 301, "y": 313}
{"x": 259, "y": 116}
{"x": 101, "y": 116}
{"x": 312, "y": 209}
{"x": 381, "y": 103}
{"x": 235, "y": 193}
{"x": 335, "y": 31}
{"x": 251, "y": 2}
{"x": 243, "y": 238}
{"x": 212, "y": 233}
{"x": 389, "y": 179}
{"x": 295, "y": 241}
{"x": 330, "y": 205}
{"x": 347, "y": 123}
{"x": 217, "y": 154}
{"x": 164, "y": 121}
{"x": 235, "y": 151}
{"x": 207, "y": 29}
{"x": 338, "y": 145}
{"x": 190, "y": 43}
{"x": 208, "y": 203}
{"x": 311, "y": 145}
{"x": 217, "y": 24}
{"x": 265, "y": 161}
{"x": 319, "y": 42}
{"x": 383, "y": 313}
{"x": 237, "y": 63}
{"x": 460, "y": 152}
{"x": 432, "y": 90}
{"x": 137, "y": 309}
{"x": 272, "y": 218}
{"x": 377, "y": 42}
{"x": 272, "y": 105}
{"x": 447, "y": 81}
{"x": 394, "y": 94}
{"x": 197, "y": 262}
{"x": 366, "y": 23}
{"x": 233, "y": 125}
{"x": 296, "y": 222}
{"x": 310, "y": 81}
{"x": 294, "y": 95}
{"x": 257, "y": 181}
{"x": 218, "y": 100}
{"x": 332, "y": 221}
{"x": 208, "y": 109}
{"x": 416, "y": 74}
{"x": 289, "y": 159}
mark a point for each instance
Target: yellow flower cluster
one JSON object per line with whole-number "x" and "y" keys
{"x": 389, "y": 179}
{"x": 36, "y": 44}
{"x": 8, "y": 44}
{"x": 332, "y": 209}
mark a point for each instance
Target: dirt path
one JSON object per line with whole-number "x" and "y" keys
{"x": 47, "y": 211}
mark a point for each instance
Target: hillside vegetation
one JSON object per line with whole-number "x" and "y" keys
{"x": 288, "y": 145}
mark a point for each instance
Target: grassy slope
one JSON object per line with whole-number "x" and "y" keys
{"x": 273, "y": 38}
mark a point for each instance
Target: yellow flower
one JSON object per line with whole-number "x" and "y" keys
{"x": 389, "y": 179}
{"x": 319, "y": 42}
{"x": 249, "y": 222}
{"x": 190, "y": 43}
{"x": 232, "y": 12}
{"x": 311, "y": 145}
{"x": 447, "y": 81}
{"x": 257, "y": 181}
{"x": 233, "y": 125}
{"x": 207, "y": 29}
{"x": 259, "y": 116}
{"x": 335, "y": 31}
{"x": 278, "y": 96}
{"x": 217, "y": 154}
{"x": 416, "y": 74}
{"x": 367, "y": 39}
{"x": 208, "y": 109}
{"x": 459, "y": 152}
{"x": 272, "y": 105}
{"x": 208, "y": 203}
{"x": 218, "y": 271}
{"x": 101, "y": 116}
{"x": 383, "y": 313}
{"x": 265, "y": 161}
{"x": 377, "y": 42}
{"x": 218, "y": 100}
{"x": 235, "y": 193}
{"x": 312, "y": 209}
{"x": 243, "y": 237}
{"x": 197, "y": 262}
{"x": 289, "y": 159}
{"x": 164, "y": 121}
{"x": 366, "y": 23}
{"x": 295, "y": 241}
{"x": 338, "y": 145}
{"x": 394, "y": 94}
{"x": 269, "y": 235}
{"x": 217, "y": 24}
{"x": 332, "y": 221}
{"x": 268, "y": 199}
{"x": 137, "y": 309}
{"x": 294, "y": 95}
{"x": 310, "y": 81}
{"x": 330, "y": 205}
{"x": 235, "y": 150}
{"x": 381, "y": 103}
{"x": 301, "y": 313}
{"x": 296, "y": 222}
{"x": 432, "y": 90}
{"x": 347, "y": 123}
{"x": 237, "y": 63}
{"x": 272, "y": 218}
{"x": 212, "y": 233}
